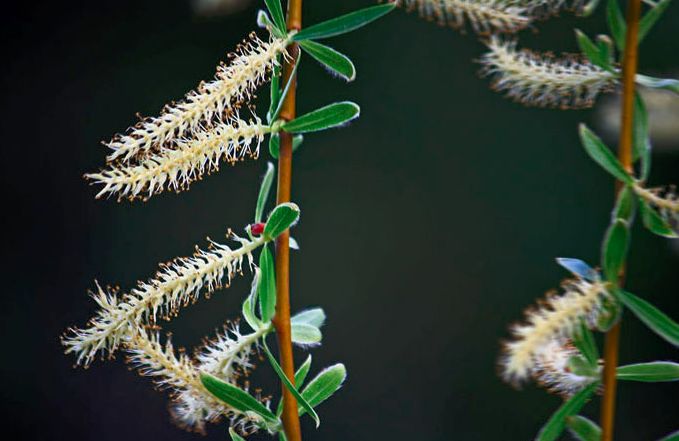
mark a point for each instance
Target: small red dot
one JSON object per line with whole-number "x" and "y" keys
{"x": 257, "y": 229}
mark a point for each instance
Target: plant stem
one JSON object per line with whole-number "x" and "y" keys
{"x": 629, "y": 71}
{"x": 281, "y": 320}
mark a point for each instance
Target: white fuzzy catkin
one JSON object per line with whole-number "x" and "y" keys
{"x": 176, "y": 168}
{"x": 552, "y": 369}
{"x": 192, "y": 404}
{"x": 176, "y": 284}
{"x": 234, "y": 82}
{"x": 542, "y": 80}
{"x": 484, "y": 16}
{"x": 555, "y": 319}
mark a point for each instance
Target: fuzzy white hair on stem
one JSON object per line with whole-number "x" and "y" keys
{"x": 176, "y": 168}
{"x": 552, "y": 369}
{"x": 556, "y": 318}
{"x": 177, "y": 283}
{"x": 484, "y": 16}
{"x": 542, "y": 80}
{"x": 192, "y": 404}
{"x": 234, "y": 82}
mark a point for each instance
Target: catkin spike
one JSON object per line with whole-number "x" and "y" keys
{"x": 484, "y": 16}
{"x": 176, "y": 284}
{"x": 664, "y": 199}
{"x": 552, "y": 369}
{"x": 556, "y": 319}
{"x": 186, "y": 162}
{"x": 192, "y": 404}
{"x": 234, "y": 82}
{"x": 542, "y": 80}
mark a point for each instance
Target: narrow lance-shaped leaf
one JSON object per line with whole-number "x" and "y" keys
{"x": 301, "y": 401}
{"x": 264, "y": 191}
{"x": 652, "y": 317}
{"x": 345, "y": 23}
{"x": 276, "y": 112}
{"x": 314, "y": 317}
{"x": 266, "y": 291}
{"x": 324, "y": 385}
{"x": 583, "y": 428}
{"x": 590, "y": 50}
{"x": 648, "y": 21}
{"x": 263, "y": 21}
{"x": 248, "y": 308}
{"x": 590, "y": 8}
{"x": 654, "y": 222}
{"x": 557, "y": 422}
{"x": 614, "y": 249}
{"x": 658, "y": 83}
{"x": 276, "y": 11}
{"x": 300, "y": 377}
{"x": 674, "y": 436}
{"x": 641, "y": 145}
{"x": 326, "y": 117}
{"x": 649, "y": 372}
{"x": 578, "y": 268}
{"x": 624, "y": 205}
{"x": 602, "y": 155}
{"x": 274, "y": 93}
{"x": 238, "y": 398}
{"x": 606, "y": 49}
{"x": 335, "y": 61}
{"x": 281, "y": 218}
{"x": 616, "y": 23}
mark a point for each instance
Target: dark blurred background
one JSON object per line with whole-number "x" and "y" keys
{"x": 428, "y": 225}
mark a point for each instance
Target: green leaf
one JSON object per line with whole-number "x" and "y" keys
{"x": 345, "y": 23}
{"x": 267, "y": 285}
{"x": 658, "y": 83}
{"x": 654, "y": 222}
{"x": 274, "y": 115}
{"x": 641, "y": 145}
{"x": 324, "y": 118}
{"x": 590, "y": 49}
{"x": 281, "y": 436}
{"x": 583, "y": 428}
{"x": 606, "y": 49}
{"x": 300, "y": 376}
{"x": 234, "y": 435}
{"x": 336, "y": 62}
{"x": 610, "y": 313}
{"x": 614, "y": 249}
{"x": 301, "y": 401}
{"x": 238, "y": 398}
{"x": 281, "y": 218}
{"x": 274, "y": 93}
{"x": 652, "y": 317}
{"x": 326, "y": 383}
{"x": 248, "y": 308}
{"x": 584, "y": 341}
{"x": 578, "y": 268}
{"x": 276, "y": 11}
{"x": 557, "y": 422}
{"x": 263, "y": 21}
{"x": 602, "y": 155}
{"x": 624, "y": 205}
{"x": 649, "y": 372}
{"x": 304, "y": 334}
{"x": 314, "y": 317}
{"x": 674, "y": 436}
{"x": 264, "y": 189}
{"x": 651, "y": 17}
{"x": 616, "y": 23}
{"x": 275, "y": 144}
